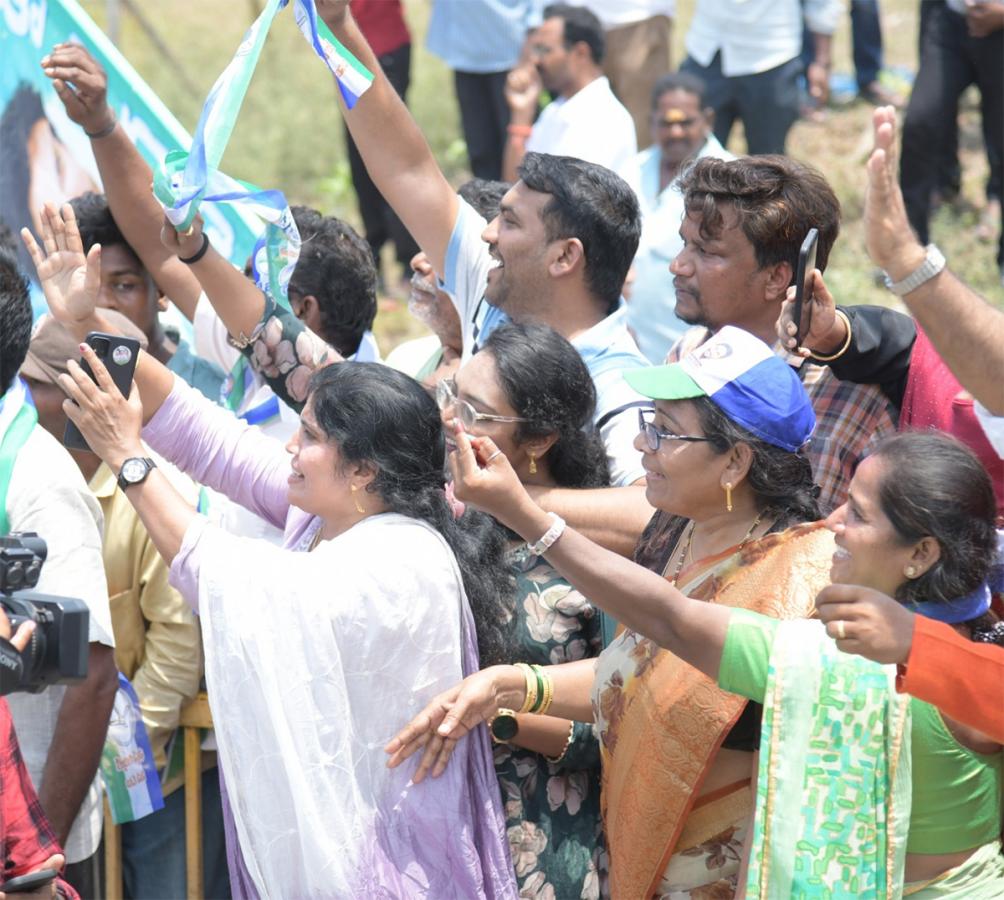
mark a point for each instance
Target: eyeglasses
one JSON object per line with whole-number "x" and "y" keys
{"x": 653, "y": 436}
{"x": 446, "y": 395}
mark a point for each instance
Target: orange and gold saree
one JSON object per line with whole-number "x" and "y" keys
{"x": 662, "y": 723}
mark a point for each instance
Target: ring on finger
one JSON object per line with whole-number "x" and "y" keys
{"x": 490, "y": 458}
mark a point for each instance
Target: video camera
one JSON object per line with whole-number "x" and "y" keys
{"x": 57, "y": 651}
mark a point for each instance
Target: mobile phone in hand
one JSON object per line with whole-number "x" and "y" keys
{"x": 802, "y": 312}
{"x": 119, "y": 355}
{"x": 26, "y": 884}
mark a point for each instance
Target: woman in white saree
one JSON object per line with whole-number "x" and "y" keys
{"x": 316, "y": 651}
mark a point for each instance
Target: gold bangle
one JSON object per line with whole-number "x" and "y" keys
{"x": 545, "y": 704}
{"x": 531, "y": 687}
{"x": 843, "y": 349}
{"x": 568, "y": 743}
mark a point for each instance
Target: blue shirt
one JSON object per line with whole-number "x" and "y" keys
{"x": 481, "y": 35}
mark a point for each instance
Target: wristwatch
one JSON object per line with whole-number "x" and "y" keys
{"x": 503, "y": 726}
{"x": 134, "y": 470}
{"x": 933, "y": 263}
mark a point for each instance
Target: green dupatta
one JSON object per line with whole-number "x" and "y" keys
{"x": 833, "y": 788}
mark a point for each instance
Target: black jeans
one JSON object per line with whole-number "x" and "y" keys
{"x": 379, "y": 221}
{"x": 484, "y": 115}
{"x": 767, "y": 102}
{"x": 950, "y": 61}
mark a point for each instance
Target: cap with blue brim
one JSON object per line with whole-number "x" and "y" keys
{"x": 741, "y": 375}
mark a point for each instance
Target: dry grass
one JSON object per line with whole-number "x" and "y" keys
{"x": 289, "y": 135}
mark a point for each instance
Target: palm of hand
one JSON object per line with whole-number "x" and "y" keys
{"x": 63, "y": 276}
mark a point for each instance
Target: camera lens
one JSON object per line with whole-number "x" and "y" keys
{"x": 100, "y": 346}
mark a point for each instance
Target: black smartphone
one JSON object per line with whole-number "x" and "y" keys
{"x": 119, "y": 355}
{"x": 802, "y": 313}
{"x": 24, "y": 884}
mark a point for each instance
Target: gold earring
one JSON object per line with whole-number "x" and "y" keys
{"x": 728, "y": 496}
{"x": 533, "y": 464}
{"x": 910, "y": 572}
{"x": 356, "y": 499}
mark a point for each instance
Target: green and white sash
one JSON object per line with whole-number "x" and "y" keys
{"x": 18, "y": 418}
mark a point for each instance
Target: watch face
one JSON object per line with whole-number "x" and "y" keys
{"x": 133, "y": 470}
{"x": 504, "y": 727}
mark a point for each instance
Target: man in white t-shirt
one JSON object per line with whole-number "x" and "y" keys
{"x": 584, "y": 118}
{"x": 62, "y": 729}
{"x": 557, "y": 253}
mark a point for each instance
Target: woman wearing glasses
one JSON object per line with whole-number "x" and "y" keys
{"x": 528, "y": 389}
{"x": 677, "y": 751}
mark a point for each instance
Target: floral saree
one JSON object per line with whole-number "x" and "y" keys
{"x": 661, "y": 722}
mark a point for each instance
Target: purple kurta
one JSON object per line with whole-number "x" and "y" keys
{"x": 463, "y": 850}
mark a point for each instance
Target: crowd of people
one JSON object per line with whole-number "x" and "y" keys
{"x": 647, "y": 574}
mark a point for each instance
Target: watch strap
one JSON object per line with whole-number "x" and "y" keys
{"x": 933, "y": 263}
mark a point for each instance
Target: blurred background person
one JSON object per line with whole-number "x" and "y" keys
{"x": 583, "y": 119}
{"x": 481, "y": 41}
{"x": 383, "y": 24}
{"x": 680, "y": 129}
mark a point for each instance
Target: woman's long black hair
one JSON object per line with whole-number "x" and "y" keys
{"x": 545, "y": 381}
{"x": 379, "y": 416}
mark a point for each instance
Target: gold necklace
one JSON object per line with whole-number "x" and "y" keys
{"x": 690, "y": 541}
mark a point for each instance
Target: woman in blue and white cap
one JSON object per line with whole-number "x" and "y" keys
{"x": 722, "y": 455}
{"x": 859, "y": 791}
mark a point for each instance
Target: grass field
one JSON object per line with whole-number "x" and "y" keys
{"x": 289, "y": 135}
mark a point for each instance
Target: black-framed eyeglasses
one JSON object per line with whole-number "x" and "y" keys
{"x": 446, "y": 395}
{"x": 653, "y": 437}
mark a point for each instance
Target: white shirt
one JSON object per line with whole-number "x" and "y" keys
{"x": 616, "y": 13}
{"x": 592, "y": 125}
{"x": 47, "y": 494}
{"x": 756, "y": 35}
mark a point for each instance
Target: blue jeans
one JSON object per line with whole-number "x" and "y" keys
{"x": 153, "y": 848}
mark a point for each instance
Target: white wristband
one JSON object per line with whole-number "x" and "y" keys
{"x": 552, "y": 534}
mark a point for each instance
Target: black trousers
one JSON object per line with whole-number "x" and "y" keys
{"x": 379, "y": 221}
{"x": 950, "y": 61}
{"x": 484, "y": 115}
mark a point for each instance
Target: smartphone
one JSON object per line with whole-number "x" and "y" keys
{"x": 119, "y": 355}
{"x": 25, "y": 884}
{"x": 802, "y": 313}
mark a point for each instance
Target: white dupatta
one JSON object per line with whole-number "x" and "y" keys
{"x": 314, "y": 661}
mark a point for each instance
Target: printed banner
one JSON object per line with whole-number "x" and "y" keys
{"x": 44, "y": 156}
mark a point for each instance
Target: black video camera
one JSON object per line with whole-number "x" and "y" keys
{"x": 57, "y": 651}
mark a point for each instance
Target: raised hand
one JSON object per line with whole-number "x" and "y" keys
{"x": 110, "y": 423}
{"x": 827, "y": 330}
{"x": 889, "y": 239}
{"x": 483, "y": 477}
{"x": 182, "y": 244}
{"x": 86, "y": 101}
{"x": 70, "y": 280}
{"x": 522, "y": 93}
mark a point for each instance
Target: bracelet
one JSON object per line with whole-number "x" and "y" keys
{"x": 564, "y": 750}
{"x": 843, "y": 349}
{"x": 523, "y": 131}
{"x": 532, "y": 682}
{"x": 103, "y": 132}
{"x": 552, "y": 534}
{"x": 547, "y": 695}
{"x": 195, "y": 257}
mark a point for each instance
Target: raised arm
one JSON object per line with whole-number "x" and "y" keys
{"x": 640, "y": 599}
{"x": 396, "y": 153}
{"x": 967, "y": 332}
{"x": 82, "y": 85}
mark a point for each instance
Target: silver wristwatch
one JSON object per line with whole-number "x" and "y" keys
{"x": 933, "y": 263}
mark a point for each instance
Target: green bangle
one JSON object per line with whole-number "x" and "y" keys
{"x": 540, "y": 688}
